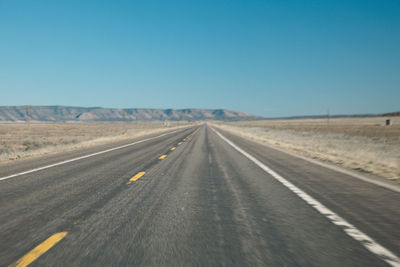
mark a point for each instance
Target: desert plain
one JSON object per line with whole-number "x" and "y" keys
{"x": 364, "y": 144}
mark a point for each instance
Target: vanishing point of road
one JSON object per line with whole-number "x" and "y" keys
{"x": 197, "y": 196}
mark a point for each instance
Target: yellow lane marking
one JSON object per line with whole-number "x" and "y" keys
{"x": 180, "y": 143}
{"x": 173, "y": 148}
{"x": 137, "y": 176}
{"x": 35, "y": 253}
{"x": 162, "y": 157}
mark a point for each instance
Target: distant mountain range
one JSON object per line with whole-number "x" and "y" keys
{"x": 64, "y": 113}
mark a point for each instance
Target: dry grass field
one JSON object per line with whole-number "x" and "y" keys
{"x": 363, "y": 144}
{"x": 18, "y": 140}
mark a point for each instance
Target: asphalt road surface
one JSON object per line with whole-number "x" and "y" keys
{"x": 190, "y": 198}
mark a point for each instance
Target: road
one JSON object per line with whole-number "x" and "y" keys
{"x": 190, "y": 198}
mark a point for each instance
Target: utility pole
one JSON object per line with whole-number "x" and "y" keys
{"x": 328, "y": 115}
{"x": 28, "y": 116}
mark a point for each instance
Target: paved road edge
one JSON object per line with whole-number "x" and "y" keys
{"x": 85, "y": 156}
{"x": 348, "y": 228}
{"x": 382, "y": 183}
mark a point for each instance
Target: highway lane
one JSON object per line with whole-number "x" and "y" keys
{"x": 17, "y": 166}
{"x": 203, "y": 204}
{"x": 35, "y": 205}
{"x": 375, "y": 210}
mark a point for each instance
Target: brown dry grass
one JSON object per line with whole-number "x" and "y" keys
{"x": 18, "y": 140}
{"x": 370, "y": 127}
{"x": 363, "y": 144}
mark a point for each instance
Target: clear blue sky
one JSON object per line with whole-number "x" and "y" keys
{"x": 269, "y": 58}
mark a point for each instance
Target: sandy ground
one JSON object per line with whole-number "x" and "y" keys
{"x": 20, "y": 140}
{"x": 363, "y": 144}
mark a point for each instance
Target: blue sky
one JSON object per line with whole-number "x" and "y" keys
{"x": 269, "y": 58}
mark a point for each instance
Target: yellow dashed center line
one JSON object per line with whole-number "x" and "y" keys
{"x": 140, "y": 174}
{"x": 137, "y": 176}
{"x": 35, "y": 253}
{"x": 39, "y": 250}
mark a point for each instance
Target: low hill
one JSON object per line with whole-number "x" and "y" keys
{"x": 392, "y": 114}
{"x": 64, "y": 113}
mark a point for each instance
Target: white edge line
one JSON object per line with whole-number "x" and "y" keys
{"x": 335, "y": 168}
{"x": 348, "y": 228}
{"x": 84, "y": 157}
